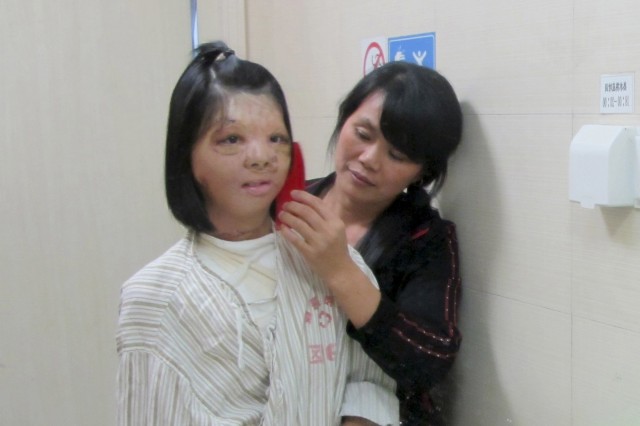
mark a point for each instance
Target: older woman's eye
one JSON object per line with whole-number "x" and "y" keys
{"x": 363, "y": 135}
{"x": 397, "y": 155}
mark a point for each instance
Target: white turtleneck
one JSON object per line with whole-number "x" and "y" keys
{"x": 248, "y": 266}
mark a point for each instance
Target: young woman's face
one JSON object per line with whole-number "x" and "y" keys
{"x": 241, "y": 163}
{"x": 368, "y": 168}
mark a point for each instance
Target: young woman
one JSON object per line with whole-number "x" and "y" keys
{"x": 230, "y": 326}
{"x": 395, "y": 133}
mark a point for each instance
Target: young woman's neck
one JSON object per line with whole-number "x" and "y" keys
{"x": 241, "y": 231}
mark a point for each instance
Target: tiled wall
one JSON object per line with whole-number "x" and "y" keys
{"x": 551, "y": 290}
{"x": 550, "y": 317}
{"x": 84, "y": 91}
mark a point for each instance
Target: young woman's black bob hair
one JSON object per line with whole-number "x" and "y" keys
{"x": 421, "y": 116}
{"x": 198, "y": 97}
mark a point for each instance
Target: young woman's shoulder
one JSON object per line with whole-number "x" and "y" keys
{"x": 154, "y": 285}
{"x": 145, "y": 296}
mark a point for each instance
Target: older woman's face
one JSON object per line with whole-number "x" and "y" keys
{"x": 368, "y": 168}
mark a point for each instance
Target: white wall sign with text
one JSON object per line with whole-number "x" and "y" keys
{"x": 617, "y": 93}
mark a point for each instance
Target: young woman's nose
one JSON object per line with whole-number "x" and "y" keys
{"x": 260, "y": 154}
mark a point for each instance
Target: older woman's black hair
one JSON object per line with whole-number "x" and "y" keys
{"x": 421, "y": 116}
{"x": 198, "y": 98}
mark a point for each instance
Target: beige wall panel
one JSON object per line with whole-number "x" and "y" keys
{"x": 307, "y": 53}
{"x": 632, "y": 120}
{"x": 318, "y": 162}
{"x": 84, "y": 89}
{"x": 507, "y": 192}
{"x": 223, "y": 20}
{"x": 606, "y": 375}
{"x": 606, "y": 265}
{"x": 606, "y": 41}
{"x": 512, "y": 370}
{"x": 509, "y": 57}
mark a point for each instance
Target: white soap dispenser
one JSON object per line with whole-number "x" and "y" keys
{"x": 604, "y": 166}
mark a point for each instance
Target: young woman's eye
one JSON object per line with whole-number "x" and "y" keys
{"x": 228, "y": 145}
{"x": 279, "y": 139}
{"x": 229, "y": 140}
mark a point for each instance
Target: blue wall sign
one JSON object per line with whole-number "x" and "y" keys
{"x": 418, "y": 48}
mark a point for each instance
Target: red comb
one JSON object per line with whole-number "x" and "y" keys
{"x": 295, "y": 179}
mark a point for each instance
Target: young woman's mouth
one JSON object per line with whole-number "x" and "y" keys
{"x": 258, "y": 188}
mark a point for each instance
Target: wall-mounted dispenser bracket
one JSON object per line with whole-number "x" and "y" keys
{"x": 637, "y": 168}
{"x": 604, "y": 166}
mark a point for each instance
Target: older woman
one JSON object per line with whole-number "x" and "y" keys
{"x": 395, "y": 132}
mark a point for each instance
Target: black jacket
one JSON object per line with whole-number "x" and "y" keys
{"x": 413, "y": 334}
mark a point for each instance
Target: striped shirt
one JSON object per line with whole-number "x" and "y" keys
{"x": 190, "y": 353}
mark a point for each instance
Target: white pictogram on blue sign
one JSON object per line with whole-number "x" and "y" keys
{"x": 418, "y": 48}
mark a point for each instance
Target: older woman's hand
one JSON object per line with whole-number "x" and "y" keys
{"x": 317, "y": 232}
{"x": 319, "y": 235}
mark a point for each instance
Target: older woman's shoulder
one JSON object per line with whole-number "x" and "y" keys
{"x": 432, "y": 225}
